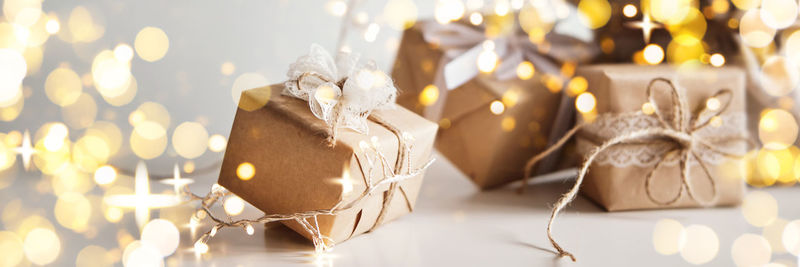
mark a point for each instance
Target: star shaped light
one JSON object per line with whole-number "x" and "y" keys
{"x": 26, "y": 150}
{"x": 647, "y": 26}
{"x": 177, "y": 181}
{"x": 142, "y": 201}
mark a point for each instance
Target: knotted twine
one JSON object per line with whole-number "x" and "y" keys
{"x": 678, "y": 129}
{"x": 343, "y": 95}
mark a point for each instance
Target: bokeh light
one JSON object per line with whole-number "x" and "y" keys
{"x": 233, "y": 205}
{"x": 791, "y": 237}
{"x": 429, "y": 95}
{"x": 759, "y": 208}
{"x": 42, "y": 246}
{"x": 751, "y": 250}
{"x": 753, "y": 30}
{"x": 245, "y": 171}
{"x": 190, "y": 140}
{"x": 151, "y": 44}
{"x": 701, "y": 245}
{"x": 777, "y": 129}
{"x": 668, "y": 237}
{"x": 162, "y": 235}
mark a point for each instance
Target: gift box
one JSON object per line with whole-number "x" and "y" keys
{"x": 646, "y": 173}
{"x": 290, "y": 167}
{"x": 489, "y": 124}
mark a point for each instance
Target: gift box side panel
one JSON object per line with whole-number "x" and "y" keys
{"x": 414, "y": 68}
{"x": 293, "y": 166}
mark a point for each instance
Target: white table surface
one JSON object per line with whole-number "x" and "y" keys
{"x": 454, "y": 224}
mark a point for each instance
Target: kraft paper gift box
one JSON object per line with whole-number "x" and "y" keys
{"x": 616, "y": 180}
{"x": 490, "y": 148}
{"x": 297, "y": 171}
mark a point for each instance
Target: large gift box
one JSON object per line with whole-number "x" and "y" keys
{"x": 490, "y": 124}
{"x": 693, "y": 111}
{"x": 354, "y": 180}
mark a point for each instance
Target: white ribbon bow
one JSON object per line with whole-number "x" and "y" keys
{"x": 340, "y": 92}
{"x": 462, "y": 44}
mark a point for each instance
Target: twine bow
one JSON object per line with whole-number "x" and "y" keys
{"x": 462, "y": 45}
{"x": 678, "y": 130}
{"x": 340, "y": 92}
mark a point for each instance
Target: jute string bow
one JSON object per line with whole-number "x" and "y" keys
{"x": 343, "y": 95}
{"x": 678, "y": 127}
{"x": 462, "y": 44}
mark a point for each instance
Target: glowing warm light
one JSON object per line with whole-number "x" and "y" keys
{"x": 501, "y": 7}
{"x": 400, "y": 14}
{"x": 105, "y": 175}
{"x": 200, "y": 247}
{"x": 717, "y": 60}
{"x": 778, "y": 14}
{"x": 26, "y": 150}
{"x": 648, "y": 108}
{"x": 142, "y": 201}
{"x": 701, "y": 244}
{"x": 190, "y": 140}
{"x": 779, "y": 76}
{"x": 217, "y": 143}
{"x": 475, "y": 18}
{"x": 162, "y": 235}
{"x": 372, "y": 32}
{"x": 594, "y": 13}
{"x": 751, "y": 250}
{"x": 123, "y": 52}
{"x": 497, "y": 107}
{"x": 668, "y": 237}
{"x": 774, "y": 235}
{"x": 227, "y": 68}
{"x": 429, "y": 95}
{"x": 487, "y": 61}
{"x": 336, "y": 7}
{"x": 508, "y": 124}
{"x": 63, "y": 86}
{"x": 246, "y": 81}
{"x": 82, "y": 27}
{"x": 234, "y": 205}
{"x": 525, "y": 70}
{"x": 577, "y": 85}
{"x": 177, "y": 181}
{"x": 713, "y": 103}
{"x": 791, "y": 237}
{"x": 653, "y": 54}
{"x": 246, "y": 171}
{"x": 143, "y": 254}
{"x": 448, "y": 10}
{"x": 151, "y": 44}
{"x": 42, "y": 246}
{"x": 759, "y": 208}
{"x": 585, "y": 102}
{"x": 12, "y": 249}
{"x": 774, "y": 137}
{"x": 110, "y": 75}
{"x": 72, "y": 211}
{"x": 629, "y": 10}
{"x": 52, "y": 26}
{"x": 753, "y": 30}
{"x": 148, "y": 140}
{"x": 12, "y": 70}
{"x": 249, "y": 229}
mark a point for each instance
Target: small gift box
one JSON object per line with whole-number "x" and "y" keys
{"x": 328, "y": 143}
{"x": 658, "y": 137}
{"x": 490, "y": 122}
{"x": 648, "y": 172}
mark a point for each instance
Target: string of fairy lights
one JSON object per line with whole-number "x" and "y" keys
{"x": 73, "y": 164}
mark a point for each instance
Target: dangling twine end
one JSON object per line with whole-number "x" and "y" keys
{"x": 562, "y": 254}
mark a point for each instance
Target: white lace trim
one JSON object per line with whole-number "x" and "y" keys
{"x": 607, "y": 126}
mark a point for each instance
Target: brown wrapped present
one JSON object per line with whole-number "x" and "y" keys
{"x": 490, "y": 123}
{"x": 355, "y": 181}
{"x": 659, "y": 137}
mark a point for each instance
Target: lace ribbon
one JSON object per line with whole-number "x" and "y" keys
{"x": 340, "y": 92}
{"x": 678, "y": 134}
